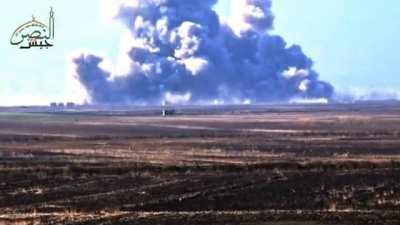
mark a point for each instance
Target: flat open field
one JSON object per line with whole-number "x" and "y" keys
{"x": 253, "y": 165}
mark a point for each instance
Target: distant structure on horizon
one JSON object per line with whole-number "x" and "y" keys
{"x": 60, "y": 106}
{"x": 167, "y": 110}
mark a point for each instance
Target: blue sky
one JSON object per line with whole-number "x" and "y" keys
{"x": 354, "y": 44}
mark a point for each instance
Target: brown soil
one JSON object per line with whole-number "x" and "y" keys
{"x": 263, "y": 165}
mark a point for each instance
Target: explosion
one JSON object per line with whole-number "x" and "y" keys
{"x": 182, "y": 53}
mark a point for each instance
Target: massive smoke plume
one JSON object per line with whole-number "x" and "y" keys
{"x": 183, "y": 53}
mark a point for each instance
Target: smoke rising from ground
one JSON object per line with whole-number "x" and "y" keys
{"x": 182, "y": 53}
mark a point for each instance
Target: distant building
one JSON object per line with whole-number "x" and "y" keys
{"x": 54, "y": 106}
{"x": 168, "y": 112}
{"x": 70, "y": 105}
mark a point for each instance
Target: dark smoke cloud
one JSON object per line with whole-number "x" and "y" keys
{"x": 182, "y": 53}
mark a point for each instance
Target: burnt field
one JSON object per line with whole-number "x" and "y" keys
{"x": 272, "y": 165}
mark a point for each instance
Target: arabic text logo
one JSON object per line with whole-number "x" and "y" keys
{"x": 34, "y": 34}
